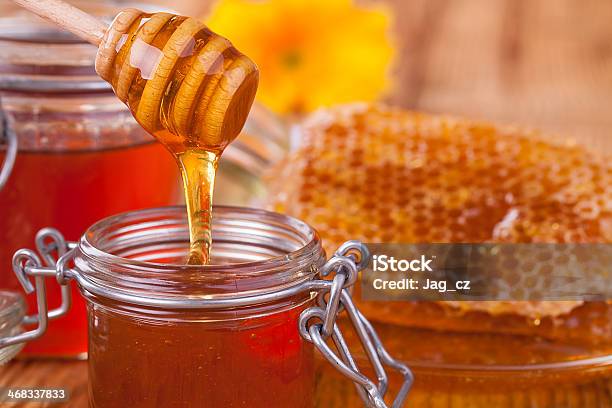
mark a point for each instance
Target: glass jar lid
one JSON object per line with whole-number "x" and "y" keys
{"x": 12, "y": 312}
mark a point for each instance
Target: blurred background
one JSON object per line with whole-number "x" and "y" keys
{"x": 544, "y": 64}
{"x": 540, "y": 63}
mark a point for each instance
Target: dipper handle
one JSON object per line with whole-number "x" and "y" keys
{"x": 75, "y": 20}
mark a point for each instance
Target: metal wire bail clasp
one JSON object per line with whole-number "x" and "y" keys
{"x": 318, "y": 325}
{"x": 28, "y": 263}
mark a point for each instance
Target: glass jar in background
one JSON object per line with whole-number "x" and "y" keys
{"x": 81, "y": 156}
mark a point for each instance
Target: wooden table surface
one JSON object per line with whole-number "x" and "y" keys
{"x": 542, "y": 63}
{"x": 70, "y": 375}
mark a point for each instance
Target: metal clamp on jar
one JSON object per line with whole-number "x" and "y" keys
{"x": 239, "y": 330}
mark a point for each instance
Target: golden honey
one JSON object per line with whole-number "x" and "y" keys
{"x": 380, "y": 174}
{"x": 385, "y": 175}
{"x": 189, "y": 88}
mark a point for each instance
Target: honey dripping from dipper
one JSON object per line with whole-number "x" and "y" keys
{"x": 189, "y": 88}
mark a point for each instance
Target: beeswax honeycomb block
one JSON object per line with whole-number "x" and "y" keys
{"x": 381, "y": 174}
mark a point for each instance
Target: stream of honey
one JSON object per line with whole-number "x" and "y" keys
{"x": 188, "y": 87}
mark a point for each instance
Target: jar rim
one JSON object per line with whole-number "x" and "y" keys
{"x": 255, "y": 252}
{"x": 91, "y": 249}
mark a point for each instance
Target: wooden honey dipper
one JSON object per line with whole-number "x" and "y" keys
{"x": 184, "y": 84}
{"x": 187, "y": 86}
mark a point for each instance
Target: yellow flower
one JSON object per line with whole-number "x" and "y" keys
{"x": 311, "y": 53}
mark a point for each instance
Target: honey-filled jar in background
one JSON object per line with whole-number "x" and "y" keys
{"x": 80, "y": 154}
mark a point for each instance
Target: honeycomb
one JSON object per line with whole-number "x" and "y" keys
{"x": 381, "y": 174}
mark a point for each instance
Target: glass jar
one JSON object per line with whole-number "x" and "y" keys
{"x": 80, "y": 155}
{"x": 236, "y": 332}
{"x": 134, "y": 349}
{"x": 144, "y": 355}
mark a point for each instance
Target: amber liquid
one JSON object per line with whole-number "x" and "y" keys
{"x": 198, "y": 168}
{"x": 194, "y": 100}
{"x": 186, "y": 361}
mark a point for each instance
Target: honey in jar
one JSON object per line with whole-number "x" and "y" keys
{"x": 160, "y": 346}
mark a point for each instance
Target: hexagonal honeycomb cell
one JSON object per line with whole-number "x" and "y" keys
{"x": 381, "y": 174}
